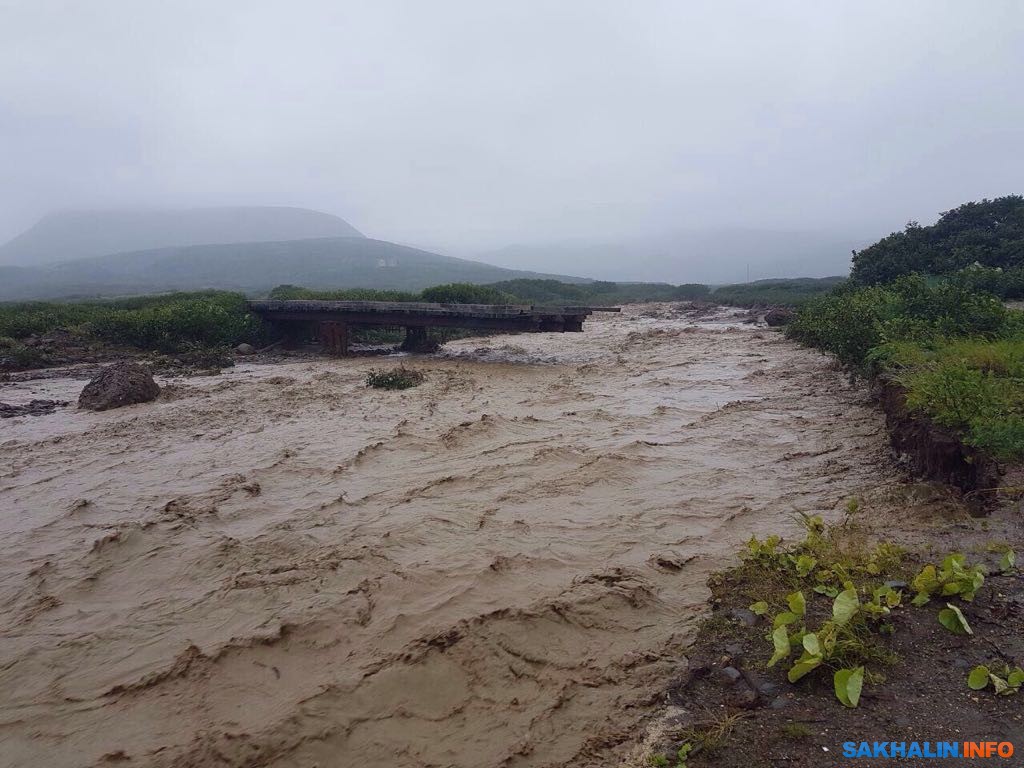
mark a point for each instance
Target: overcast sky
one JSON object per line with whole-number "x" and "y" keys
{"x": 481, "y": 123}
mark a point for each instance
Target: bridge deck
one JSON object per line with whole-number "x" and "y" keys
{"x": 519, "y": 317}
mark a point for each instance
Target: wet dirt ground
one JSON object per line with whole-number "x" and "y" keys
{"x": 281, "y": 567}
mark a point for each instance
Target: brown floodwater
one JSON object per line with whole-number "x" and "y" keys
{"x": 278, "y": 566}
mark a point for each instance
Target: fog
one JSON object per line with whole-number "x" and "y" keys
{"x": 469, "y": 127}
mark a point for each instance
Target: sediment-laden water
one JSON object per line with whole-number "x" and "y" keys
{"x": 501, "y": 567}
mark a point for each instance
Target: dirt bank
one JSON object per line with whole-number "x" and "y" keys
{"x": 501, "y": 567}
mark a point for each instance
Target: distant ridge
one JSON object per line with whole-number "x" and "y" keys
{"x": 323, "y": 263}
{"x": 68, "y": 235}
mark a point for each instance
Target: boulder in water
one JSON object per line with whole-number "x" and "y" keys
{"x": 118, "y": 385}
{"x": 777, "y": 316}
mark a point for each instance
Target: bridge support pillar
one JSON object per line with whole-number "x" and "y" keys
{"x": 417, "y": 340}
{"x": 335, "y": 337}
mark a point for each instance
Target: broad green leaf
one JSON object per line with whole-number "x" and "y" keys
{"x": 926, "y": 581}
{"x": 921, "y": 598}
{"x": 797, "y": 603}
{"x": 804, "y": 664}
{"x": 780, "y": 639}
{"x": 954, "y": 561}
{"x": 848, "y": 685}
{"x": 845, "y": 606}
{"x": 760, "y": 608}
{"x": 1016, "y": 678}
{"x": 1008, "y": 560}
{"x": 978, "y": 678}
{"x": 784, "y": 619}
{"x": 811, "y": 644}
{"x": 952, "y": 619}
{"x": 893, "y": 598}
{"x": 824, "y": 589}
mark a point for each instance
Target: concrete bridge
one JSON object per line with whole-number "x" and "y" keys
{"x": 332, "y": 320}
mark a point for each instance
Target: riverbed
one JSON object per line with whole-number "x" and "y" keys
{"x": 278, "y": 566}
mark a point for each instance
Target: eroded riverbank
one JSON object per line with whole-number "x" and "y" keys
{"x": 278, "y": 566}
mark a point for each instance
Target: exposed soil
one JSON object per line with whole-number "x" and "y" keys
{"x": 760, "y": 719}
{"x": 504, "y": 566}
{"x": 937, "y": 453}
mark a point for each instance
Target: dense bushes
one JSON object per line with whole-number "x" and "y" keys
{"x": 168, "y": 323}
{"x": 851, "y": 322}
{"x": 293, "y": 292}
{"x": 989, "y": 233}
{"x": 781, "y": 292}
{"x": 520, "y": 291}
{"x": 958, "y": 352}
{"x": 466, "y": 293}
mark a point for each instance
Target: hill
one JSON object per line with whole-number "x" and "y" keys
{"x": 69, "y": 235}
{"x": 335, "y": 262}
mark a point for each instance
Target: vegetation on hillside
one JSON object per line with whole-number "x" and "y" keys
{"x": 521, "y": 291}
{"x": 988, "y": 234}
{"x": 599, "y": 292}
{"x": 789, "y": 292}
{"x": 946, "y": 336}
{"x": 295, "y": 292}
{"x": 166, "y": 323}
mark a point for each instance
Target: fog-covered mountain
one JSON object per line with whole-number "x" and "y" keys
{"x": 697, "y": 256}
{"x": 337, "y": 262}
{"x": 69, "y": 235}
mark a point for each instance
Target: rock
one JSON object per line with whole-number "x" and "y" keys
{"x": 743, "y": 616}
{"x": 729, "y": 675}
{"x": 118, "y": 385}
{"x": 779, "y": 702}
{"x": 245, "y": 349}
{"x": 742, "y": 696}
{"x": 33, "y": 408}
{"x": 778, "y": 316}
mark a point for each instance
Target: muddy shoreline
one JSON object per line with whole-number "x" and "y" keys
{"x": 277, "y": 566}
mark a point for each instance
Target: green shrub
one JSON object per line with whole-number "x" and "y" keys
{"x": 989, "y": 233}
{"x": 170, "y": 322}
{"x": 466, "y": 293}
{"x": 853, "y": 321}
{"x": 777, "y": 292}
{"x": 986, "y": 407}
{"x": 395, "y": 378}
{"x": 15, "y": 356}
{"x": 293, "y": 292}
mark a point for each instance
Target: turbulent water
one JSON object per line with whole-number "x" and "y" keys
{"x": 502, "y": 567}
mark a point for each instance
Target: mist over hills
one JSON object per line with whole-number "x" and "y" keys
{"x": 252, "y": 249}
{"x": 69, "y": 235}
{"x": 692, "y": 256}
{"x": 336, "y": 262}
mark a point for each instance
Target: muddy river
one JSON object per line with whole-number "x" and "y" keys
{"x": 278, "y": 566}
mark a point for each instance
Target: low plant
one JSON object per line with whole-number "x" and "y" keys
{"x": 395, "y": 378}
{"x": 833, "y": 562}
{"x": 953, "y": 578}
{"x": 1007, "y": 682}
